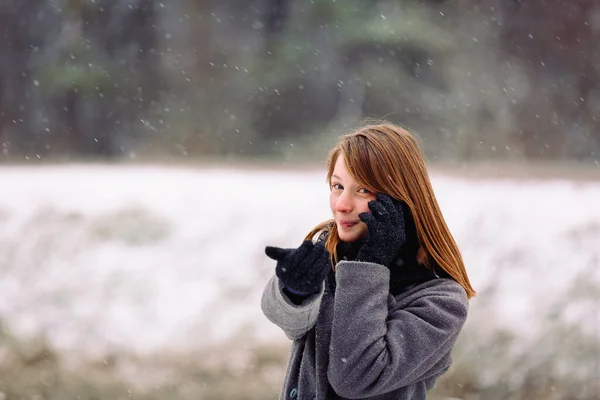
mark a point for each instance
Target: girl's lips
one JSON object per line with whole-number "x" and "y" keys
{"x": 347, "y": 224}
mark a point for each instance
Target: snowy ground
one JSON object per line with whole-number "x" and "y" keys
{"x": 106, "y": 258}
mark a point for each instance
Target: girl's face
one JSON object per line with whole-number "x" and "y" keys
{"x": 348, "y": 199}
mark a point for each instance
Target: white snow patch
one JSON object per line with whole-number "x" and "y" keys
{"x": 154, "y": 258}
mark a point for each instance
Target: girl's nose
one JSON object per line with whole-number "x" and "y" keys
{"x": 344, "y": 204}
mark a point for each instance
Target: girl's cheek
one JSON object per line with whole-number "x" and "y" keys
{"x": 332, "y": 201}
{"x": 364, "y": 207}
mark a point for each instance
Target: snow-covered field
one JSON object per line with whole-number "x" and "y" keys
{"x": 146, "y": 258}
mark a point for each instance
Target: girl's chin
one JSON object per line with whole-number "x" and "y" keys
{"x": 349, "y": 236}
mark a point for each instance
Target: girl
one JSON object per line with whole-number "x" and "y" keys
{"x": 375, "y": 298}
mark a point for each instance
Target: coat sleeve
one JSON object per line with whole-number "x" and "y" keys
{"x": 294, "y": 320}
{"x": 376, "y": 349}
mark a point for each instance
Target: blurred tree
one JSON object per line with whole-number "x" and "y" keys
{"x": 325, "y": 71}
{"x": 127, "y": 34}
{"x": 25, "y": 29}
{"x": 276, "y": 14}
{"x": 79, "y": 74}
{"x": 561, "y": 59}
{"x": 475, "y": 78}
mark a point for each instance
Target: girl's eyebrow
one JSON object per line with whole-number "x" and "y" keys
{"x": 335, "y": 176}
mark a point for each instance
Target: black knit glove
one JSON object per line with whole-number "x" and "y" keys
{"x": 301, "y": 270}
{"x": 386, "y": 233}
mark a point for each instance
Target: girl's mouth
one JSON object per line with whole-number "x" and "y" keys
{"x": 347, "y": 224}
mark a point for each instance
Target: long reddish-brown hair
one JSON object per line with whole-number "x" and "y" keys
{"x": 386, "y": 158}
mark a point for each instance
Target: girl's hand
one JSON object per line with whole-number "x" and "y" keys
{"x": 386, "y": 231}
{"x": 301, "y": 270}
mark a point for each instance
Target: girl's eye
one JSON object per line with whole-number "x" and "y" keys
{"x": 364, "y": 191}
{"x": 337, "y": 186}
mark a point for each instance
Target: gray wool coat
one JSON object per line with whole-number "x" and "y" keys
{"x": 360, "y": 342}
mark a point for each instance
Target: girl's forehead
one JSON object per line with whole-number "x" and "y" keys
{"x": 341, "y": 169}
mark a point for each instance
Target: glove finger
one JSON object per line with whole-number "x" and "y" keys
{"x": 387, "y": 202}
{"x": 379, "y": 210}
{"x": 301, "y": 253}
{"x": 320, "y": 248}
{"x": 396, "y": 214}
{"x": 298, "y": 260}
{"x": 368, "y": 218}
{"x": 306, "y": 245}
{"x": 314, "y": 274}
{"x": 401, "y": 211}
{"x": 384, "y": 198}
{"x": 315, "y": 253}
{"x": 276, "y": 253}
{"x": 394, "y": 208}
{"x": 312, "y": 253}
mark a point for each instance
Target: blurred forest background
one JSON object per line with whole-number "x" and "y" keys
{"x": 477, "y": 79}
{"x": 504, "y": 82}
